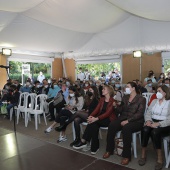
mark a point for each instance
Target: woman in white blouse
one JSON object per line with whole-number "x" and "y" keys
{"x": 157, "y": 125}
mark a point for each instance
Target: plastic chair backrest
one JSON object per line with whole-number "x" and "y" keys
{"x": 40, "y": 100}
{"x": 30, "y": 98}
{"x": 23, "y": 96}
{"x": 148, "y": 95}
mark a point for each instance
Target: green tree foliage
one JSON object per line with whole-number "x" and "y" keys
{"x": 166, "y": 66}
{"x": 16, "y": 70}
{"x": 96, "y": 69}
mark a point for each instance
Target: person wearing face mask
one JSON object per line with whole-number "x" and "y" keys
{"x": 90, "y": 103}
{"x": 74, "y": 103}
{"x": 86, "y": 86}
{"x": 12, "y": 98}
{"x": 130, "y": 119}
{"x": 100, "y": 117}
{"x": 26, "y": 88}
{"x": 157, "y": 125}
{"x": 150, "y": 76}
{"x": 45, "y": 88}
{"x": 100, "y": 87}
{"x": 149, "y": 86}
{"x": 118, "y": 92}
{"x": 36, "y": 88}
{"x": 53, "y": 90}
{"x": 166, "y": 82}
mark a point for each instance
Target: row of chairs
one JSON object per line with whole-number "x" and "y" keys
{"x": 31, "y": 104}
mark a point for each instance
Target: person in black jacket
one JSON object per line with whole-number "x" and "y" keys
{"x": 12, "y": 98}
{"x": 45, "y": 88}
{"x": 91, "y": 102}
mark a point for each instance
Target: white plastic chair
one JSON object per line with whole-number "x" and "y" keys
{"x": 134, "y": 135}
{"x": 148, "y": 96}
{"x": 39, "y": 109}
{"x": 30, "y": 97}
{"x": 166, "y": 141}
{"x": 22, "y": 103}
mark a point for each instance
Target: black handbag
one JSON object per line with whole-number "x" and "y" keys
{"x": 49, "y": 99}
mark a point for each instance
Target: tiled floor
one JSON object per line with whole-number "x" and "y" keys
{"x": 20, "y": 152}
{"x": 31, "y": 149}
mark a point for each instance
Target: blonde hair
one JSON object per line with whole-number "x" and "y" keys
{"x": 110, "y": 89}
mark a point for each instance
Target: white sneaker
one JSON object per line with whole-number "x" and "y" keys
{"x": 87, "y": 148}
{"x": 62, "y": 139}
{"x": 48, "y": 130}
{"x": 94, "y": 153}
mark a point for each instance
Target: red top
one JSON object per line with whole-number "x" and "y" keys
{"x": 109, "y": 110}
{"x": 152, "y": 98}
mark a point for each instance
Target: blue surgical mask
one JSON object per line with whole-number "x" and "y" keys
{"x": 117, "y": 85}
{"x": 55, "y": 86}
{"x": 150, "y": 84}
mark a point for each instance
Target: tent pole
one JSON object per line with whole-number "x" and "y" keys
{"x": 63, "y": 63}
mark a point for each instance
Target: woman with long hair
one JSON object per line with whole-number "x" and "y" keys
{"x": 90, "y": 103}
{"x": 100, "y": 117}
{"x": 157, "y": 125}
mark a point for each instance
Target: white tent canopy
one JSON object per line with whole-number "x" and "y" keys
{"x": 84, "y": 27}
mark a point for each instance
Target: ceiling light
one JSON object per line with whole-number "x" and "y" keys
{"x": 6, "y": 51}
{"x": 137, "y": 54}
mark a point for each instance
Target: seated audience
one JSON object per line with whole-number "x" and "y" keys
{"x": 130, "y": 120}
{"x": 90, "y": 103}
{"x": 17, "y": 84}
{"x": 12, "y": 98}
{"x": 149, "y": 86}
{"x": 118, "y": 92}
{"x": 75, "y": 103}
{"x": 45, "y": 87}
{"x": 166, "y": 82}
{"x": 26, "y": 88}
{"x": 36, "y": 88}
{"x": 150, "y": 77}
{"x": 157, "y": 125}
{"x": 100, "y": 117}
{"x": 53, "y": 90}
{"x": 58, "y": 106}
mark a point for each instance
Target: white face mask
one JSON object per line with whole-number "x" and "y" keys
{"x": 150, "y": 84}
{"x": 86, "y": 85}
{"x": 71, "y": 95}
{"x": 162, "y": 76}
{"x": 27, "y": 84}
{"x": 114, "y": 97}
{"x": 38, "y": 86}
{"x": 127, "y": 90}
{"x": 167, "y": 85}
{"x": 159, "y": 95}
{"x": 46, "y": 86}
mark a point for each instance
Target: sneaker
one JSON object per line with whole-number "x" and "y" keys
{"x": 62, "y": 139}
{"x": 94, "y": 153}
{"x": 48, "y": 130}
{"x": 80, "y": 145}
{"x": 87, "y": 148}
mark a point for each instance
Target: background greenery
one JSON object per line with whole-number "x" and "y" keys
{"x": 96, "y": 69}
{"x": 16, "y": 70}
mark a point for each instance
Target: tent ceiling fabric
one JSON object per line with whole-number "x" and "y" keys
{"x": 87, "y": 27}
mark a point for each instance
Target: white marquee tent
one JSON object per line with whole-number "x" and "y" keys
{"x": 84, "y": 28}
